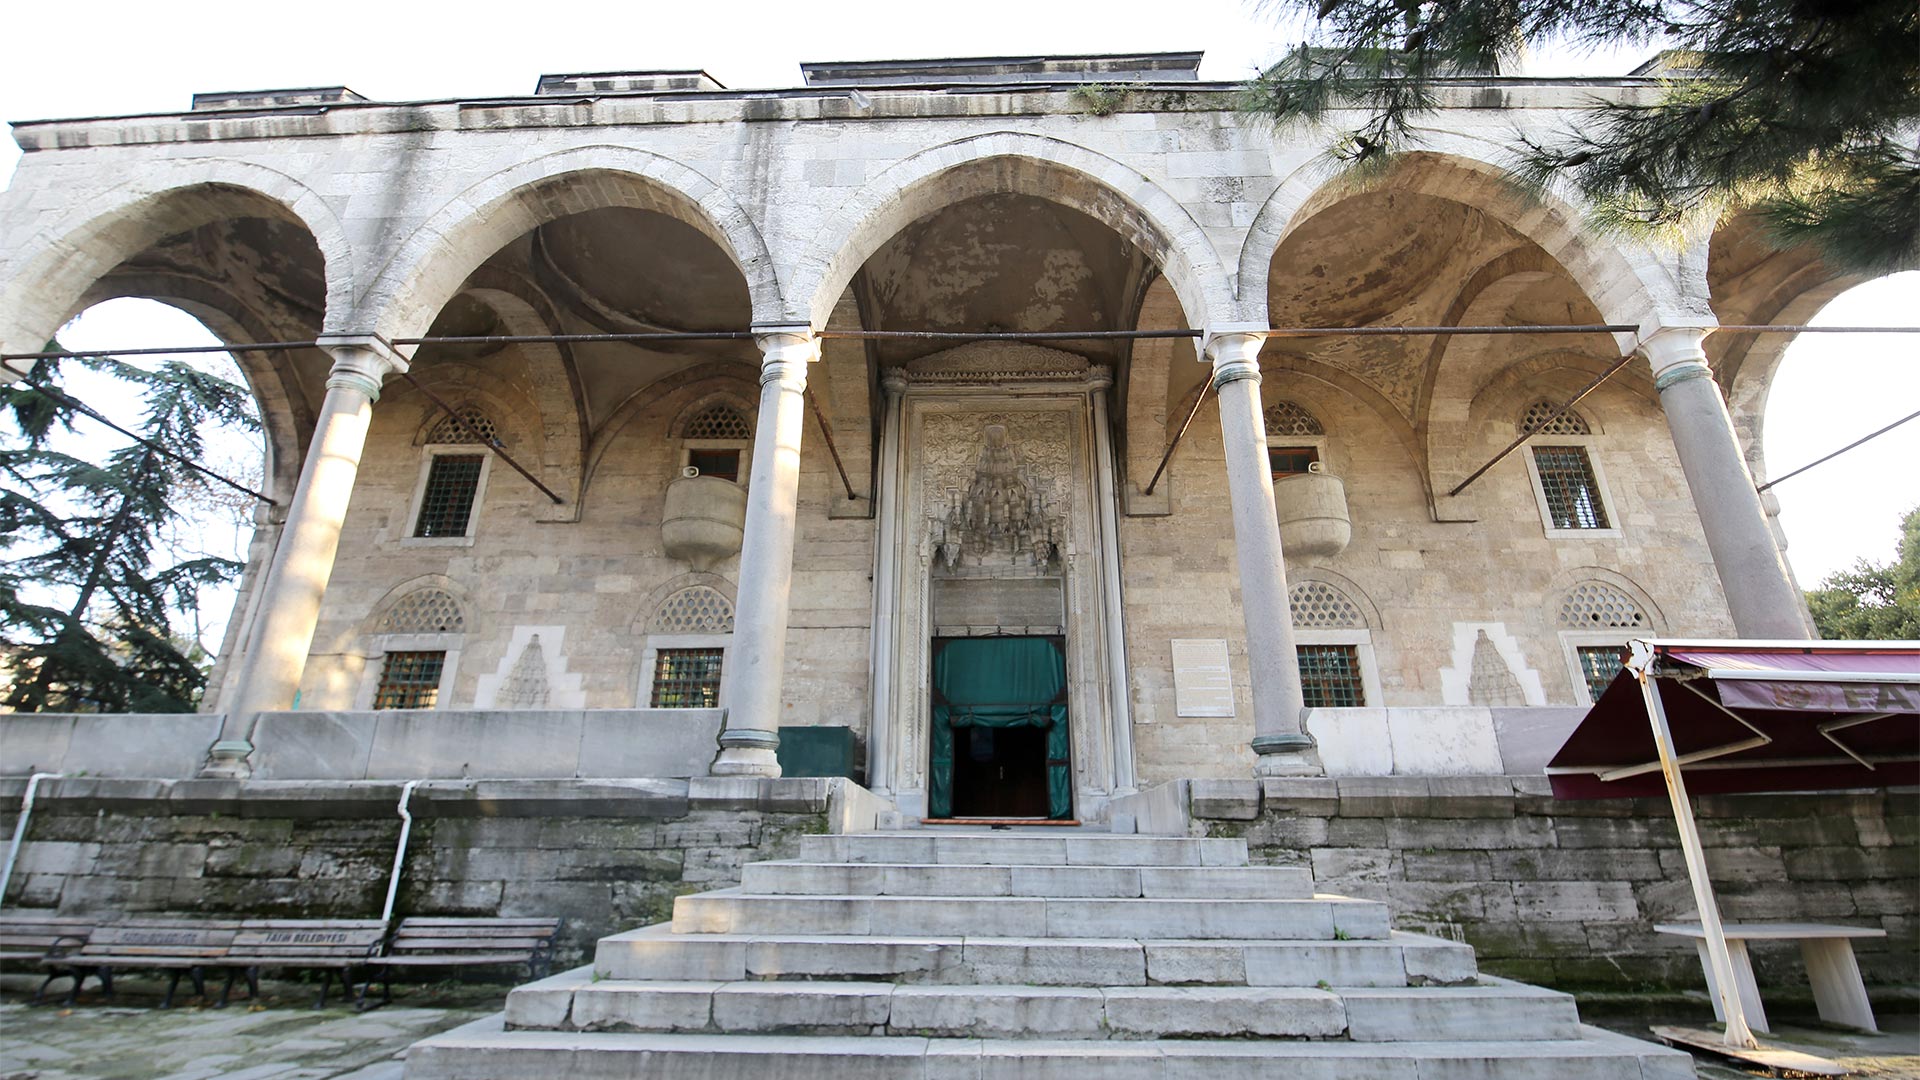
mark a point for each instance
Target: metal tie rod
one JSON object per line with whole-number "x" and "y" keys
{"x": 995, "y": 335}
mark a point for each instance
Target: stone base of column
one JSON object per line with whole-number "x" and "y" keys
{"x": 227, "y": 760}
{"x": 747, "y": 752}
{"x": 1287, "y": 755}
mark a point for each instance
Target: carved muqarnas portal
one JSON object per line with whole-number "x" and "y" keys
{"x": 1003, "y": 514}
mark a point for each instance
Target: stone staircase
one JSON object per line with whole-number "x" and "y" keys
{"x": 936, "y": 954}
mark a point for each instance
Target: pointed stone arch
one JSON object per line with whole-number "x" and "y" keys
{"x": 1460, "y": 168}
{"x": 429, "y": 267}
{"x": 1006, "y": 162}
{"x": 43, "y": 284}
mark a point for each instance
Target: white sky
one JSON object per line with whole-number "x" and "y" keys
{"x": 114, "y": 57}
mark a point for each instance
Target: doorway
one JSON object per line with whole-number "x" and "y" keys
{"x": 1000, "y": 745}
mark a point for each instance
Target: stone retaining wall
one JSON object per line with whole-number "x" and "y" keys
{"x": 606, "y": 856}
{"x": 1566, "y": 893}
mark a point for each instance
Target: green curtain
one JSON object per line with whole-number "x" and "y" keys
{"x": 1000, "y": 682}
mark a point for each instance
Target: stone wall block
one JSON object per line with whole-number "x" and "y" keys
{"x": 1294, "y": 796}
{"x": 1384, "y": 796}
{"x": 1480, "y": 834}
{"x": 1539, "y": 901}
{"x": 1231, "y": 800}
{"x": 1853, "y": 863}
{"x": 56, "y": 857}
{"x": 1615, "y": 833}
{"x": 1447, "y": 865}
{"x": 1578, "y": 864}
{"x": 1472, "y": 796}
{"x": 1344, "y": 866}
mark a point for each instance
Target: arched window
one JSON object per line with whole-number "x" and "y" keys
{"x": 1567, "y": 481}
{"x": 453, "y": 476}
{"x": 416, "y": 650}
{"x": 686, "y": 649}
{"x": 1295, "y": 439}
{"x": 1335, "y": 647}
{"x": 1596, "y": 619}
{"x": 715, "y": 439}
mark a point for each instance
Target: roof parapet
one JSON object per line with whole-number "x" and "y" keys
{"x": 625, "y": 82}
{"x": 275, "y": 99}
{"x": 1117, "y": 67}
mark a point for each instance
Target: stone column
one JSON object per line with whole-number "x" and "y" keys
{"x": 886, "y": 507}
{"x": 1119, "y": 703}
{"x": 1753, "y": 574}
{"x": 1283, "y": 746}
{"x": 289, "y": 604}
{"x": 759, "y": 653}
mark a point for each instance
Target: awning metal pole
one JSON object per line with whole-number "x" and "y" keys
{"x": 1737, "y": 1033}
{"x": 1542, "y": 425}
{"x": 482, "y": 437}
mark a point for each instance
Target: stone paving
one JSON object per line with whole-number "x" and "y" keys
{"x": 283, "y": 1039}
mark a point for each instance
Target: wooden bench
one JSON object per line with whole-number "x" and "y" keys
{"x": 333, "y": 947}
{"x": 176, "y": 946}
{"x": 32, "y": 937}
{"x": 1838, "y": 990}
{"x": 453, "y": 942}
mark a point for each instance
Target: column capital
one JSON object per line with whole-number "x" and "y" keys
{"x": 785, "y": 351}
{"x": 1677, "y": 352}
{"x": 1099, "y": 378}
{"x": 361, "y": 362}
{"x": 1234, "y": 351}
{"x": 894, "y": 382}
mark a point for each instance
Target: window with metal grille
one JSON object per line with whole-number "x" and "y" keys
{"x": 687, "y": 679}
{"x": 446, "y": 504}
{"x": 1539, "y": 419}
{"x": 1572, "y": 492}
{"x": 467, "y": 425}
{"x": 1292, "y": 460}
{"x": 724, "y": 464}
{"x": 718, "y": 422}
{"x": 1330, "y": 676}
{"x": 1286, "y": 418}
{"x": 410, "y": 680}
{"x": 1599, "y": 664}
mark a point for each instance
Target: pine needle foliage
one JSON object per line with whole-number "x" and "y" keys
{"x": 1804, "y": 112}
{"x": 89, "y": 585}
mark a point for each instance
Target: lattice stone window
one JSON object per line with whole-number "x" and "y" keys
{"x": 1287, "y": 419}
{"x": 447, "y": 498}
{"x": 476, "y": 429}
{"x": 1318, "y": 605}
{"x": 1330, "y": 677}
{"x": 1598, "y": 665}
{"x": 1567, "y": 423}
{"x": 696, "y": 610}
{"x": 718, "y": 421}
{"x": 1596, "y": 605}
{"x": 687, "y": 679}
{"x": 410, "y": 680}
{"x": 1570, "y": 488}
{"x": 425, "y": 611}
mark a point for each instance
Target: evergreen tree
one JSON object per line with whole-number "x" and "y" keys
{"x": 1801, "y": 111}
{"x": 85, "y": 612}
{"x": 1874, "y": 602}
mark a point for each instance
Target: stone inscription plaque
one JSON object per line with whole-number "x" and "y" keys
{"x": 968, "y": 606}
{"x": 1202, "y": 681}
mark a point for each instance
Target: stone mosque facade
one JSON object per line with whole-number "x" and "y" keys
{"x": 728, "y": 522}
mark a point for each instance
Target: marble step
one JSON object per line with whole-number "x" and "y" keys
{"x": 794, "y": 878}
{"x": 1490, "y": 1009}
{"x": 934, "y": 847}
{"x": 486, "y": 1048}
{"x": 655, "y": 952}
{"x": 734, "y": 911}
